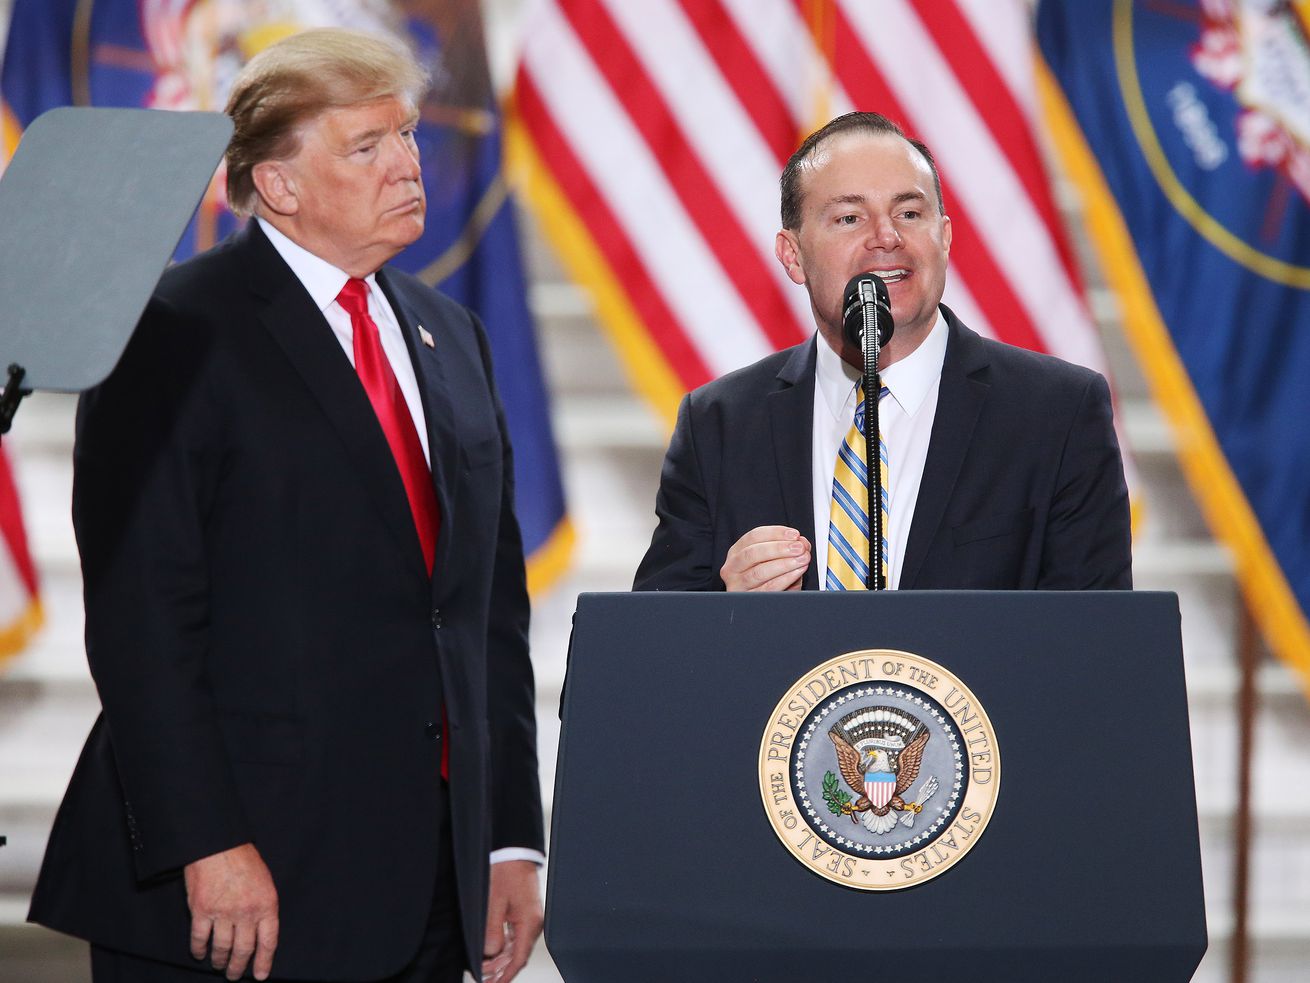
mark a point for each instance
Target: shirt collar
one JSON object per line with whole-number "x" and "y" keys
{"x": 320, "y": 278}
{"x": 908, "y": 381}
{"x": 835, "y": 379}
{"x": 912, "y": 378}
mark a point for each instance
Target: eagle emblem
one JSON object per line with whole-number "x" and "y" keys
{"x": 879, "y": 752}
{"x": 853, "y": 806}
{"x": 1260, "y": 51}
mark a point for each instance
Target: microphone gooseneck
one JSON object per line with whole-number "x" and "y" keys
{"x": 867, "y": 322}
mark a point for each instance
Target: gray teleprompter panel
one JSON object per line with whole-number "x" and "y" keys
{"x": 91, "y": 208}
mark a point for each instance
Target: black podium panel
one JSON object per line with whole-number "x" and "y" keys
{"x": 664, "y": 865}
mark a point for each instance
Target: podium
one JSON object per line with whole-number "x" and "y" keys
{"x": 669, "y": 855}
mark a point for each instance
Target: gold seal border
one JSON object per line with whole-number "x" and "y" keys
{"x": 874, "y": 667}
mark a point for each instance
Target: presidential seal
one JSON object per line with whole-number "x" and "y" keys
{"x": 879, "y": 770}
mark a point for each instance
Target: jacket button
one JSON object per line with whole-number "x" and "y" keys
{"x": 433, "y": 730}
{"x": 437, "y": 621}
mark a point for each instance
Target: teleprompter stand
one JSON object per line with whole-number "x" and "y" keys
{"x": 664, "y": 865}
{"x": 91, "y": 208}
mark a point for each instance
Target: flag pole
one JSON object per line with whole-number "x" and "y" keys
{"x": 1247, "y": 708}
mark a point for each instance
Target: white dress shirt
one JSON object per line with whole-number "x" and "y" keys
{"x": 906, "y": 416}
{"x": 324, "y": 282}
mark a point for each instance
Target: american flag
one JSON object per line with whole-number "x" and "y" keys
{"x": 20, "y": 603}
{"x": 650, "y": 136}
{"x": 20, "y": 599}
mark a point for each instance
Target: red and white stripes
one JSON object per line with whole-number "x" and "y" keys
{"x": 665, "y": 124}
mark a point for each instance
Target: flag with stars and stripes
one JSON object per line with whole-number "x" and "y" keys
{"x": 20, "y": 599}
{"x": 650, "y": 137}
{"x": 178, "y": 54}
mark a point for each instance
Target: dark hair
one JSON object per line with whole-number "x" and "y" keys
{"x": 790, "y": 182}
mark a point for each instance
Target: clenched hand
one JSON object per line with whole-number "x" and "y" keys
{"x": 767, "y": 558}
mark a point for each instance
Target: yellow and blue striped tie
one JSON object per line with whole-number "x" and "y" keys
{"x": 848, "y": 524}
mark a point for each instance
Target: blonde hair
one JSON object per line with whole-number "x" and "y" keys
{"x": 291, "y": 82}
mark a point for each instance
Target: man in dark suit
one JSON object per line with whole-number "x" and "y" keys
{"x": 306, "y": 611}
{"x": 1004, "y": 470}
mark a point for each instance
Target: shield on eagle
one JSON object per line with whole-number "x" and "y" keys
{"x": 879, "y": 786}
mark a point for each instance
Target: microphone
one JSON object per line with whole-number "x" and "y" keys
{"x": 866, "y": 301}
{"x": 867, "y": 307}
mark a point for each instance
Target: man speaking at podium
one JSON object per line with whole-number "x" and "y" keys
{"x": 306, "y": 611}
{"x": 1002, "y": 466}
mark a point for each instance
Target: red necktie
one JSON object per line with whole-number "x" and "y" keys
{"x": 394, "y": 416}
{"x": 398, "y": 424}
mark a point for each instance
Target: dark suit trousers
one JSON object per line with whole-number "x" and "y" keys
{"x": 440, "y": 957}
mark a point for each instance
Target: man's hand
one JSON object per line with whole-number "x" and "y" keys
{"x": 767, "y": 558}
{"x": 233, "y": 900}
{"x": 513, "y": 919}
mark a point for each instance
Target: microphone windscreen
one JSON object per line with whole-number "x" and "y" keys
{"x": 862, "y": 287}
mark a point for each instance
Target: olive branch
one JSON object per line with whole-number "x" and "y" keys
{"x": 833, "y": 794}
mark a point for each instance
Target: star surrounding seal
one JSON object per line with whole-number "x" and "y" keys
{"x": 908, "y": 772}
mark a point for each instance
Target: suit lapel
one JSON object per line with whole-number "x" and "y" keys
{"x": 791, "y": 419}
{"x": 299, "y": 328}
{"x": 443, "y": 442}
{"x": 959, "y": 401}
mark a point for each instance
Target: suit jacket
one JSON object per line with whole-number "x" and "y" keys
{"x": 1022, "y": 489}
{"x": 271, "y": 654}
